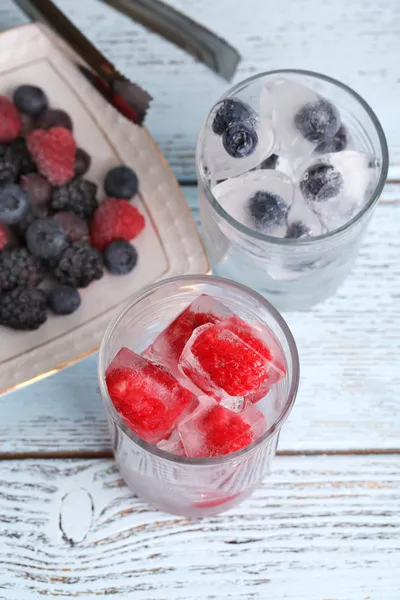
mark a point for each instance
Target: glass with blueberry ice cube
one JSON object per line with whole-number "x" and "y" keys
{"x": 197, "y": 375}
{"x": 290, "y": 165}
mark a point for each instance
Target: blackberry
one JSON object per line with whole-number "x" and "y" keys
{"x": 31, "y": 100}
{"x": 239, "y": 140}
{"x": 33, "y": 213}
{"x": 230, "y": 112}
{"x": 19, "y": 268}
{"x": 78, "y": 196}
{"x": 121, "y": 182}
{"x": 23, "y": 309}
{"x": 8, "y": 166}
{"x": 64, "y": 300}
{"x": 45, "y": 238}
{"x": 79, "y": 265}
{"x": 82, "y": 162}
{"x": 120, "y": 257}
{"x": 20, "y": 155}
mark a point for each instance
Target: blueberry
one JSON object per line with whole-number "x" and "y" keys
{"x": 318, "y": 122}
{"x": 121, "y": 182}
{"x": 120, "y": 257}
{"x": 64, "y": 300}
{"x": 270, "y": 162}
{"x": 45, "y": 238}
{"x": 239, "y": 140}
{"x": 335, "y": 144}
{"x": 82, "y": 162}
{"x": 321, "y": 182}
{"x": 267, "y": 210}
{"x": 297, "y": 230}
{"x": 31, "y": 100}
{"x": 230, "y": 112}
{"x": 13, "y": 204}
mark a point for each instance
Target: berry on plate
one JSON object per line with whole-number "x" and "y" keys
{"x": 121, "y": 182}
{"x": 54, "y": 117}
{"x": 53, "y": 151}
{"x": 13, "y": 203}
{"x": 31, "y": 100}
{"x": 20, "y": 155}
{"x": 78, "y": 265}
{"x": 45, "y": 238}
{"x": 10, "y": 121}
{"x": 75, "y": 228}
{"x": 115, "y": 219}
{"x": 82, "y": 162}
{"x": 3, "y": 237}
{"x": 64, "y": 300}
{"x": 23, "y": 308}
{"x": 120, "y": 257}
{"x": 78, "y": 196}
{"x": 37, "y": 187}
{"x": 19, "y": 268}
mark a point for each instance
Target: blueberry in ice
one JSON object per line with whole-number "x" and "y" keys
{"x": 64, "y": 300}
{"x": 335, "y": 144}
{"x": 45, "y": 238}
{"x": 240, "y": 140}
{"x": 230, "y": 112}
{"x": 13, "y": 203}
{"x": 318, "y": 122}
{"x": 297, "y": 230}
{"x": 121, "y": 182}
{"x": 30, "y": 100}
{"x": 120, "y": 257}
{"x": 267, "y": 210}
{"x": 321, "y": 182}
{"x": 270, "y": 162}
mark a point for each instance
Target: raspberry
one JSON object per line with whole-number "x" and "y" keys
{"x": 3, "y": 237}
{"x": 78, "y": 266}
{"x": 78, "y": 196}
{"x": 37, "y": 188}
{"x": 53, "y": 150}
{"x": 23, "y": 309}
{"x": 115, "y": 220}
{"x": 225, "y": 431}
{"x": 19, "y": 268}
{"x": 180, "y": 330}
{"x": 10, "y": 121}
{"x": 75, "y": 228}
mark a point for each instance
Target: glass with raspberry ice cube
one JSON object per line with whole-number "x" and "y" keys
{"x": 197, "y": 376}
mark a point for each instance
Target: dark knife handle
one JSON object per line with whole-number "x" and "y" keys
{"x": 184, "y": 32}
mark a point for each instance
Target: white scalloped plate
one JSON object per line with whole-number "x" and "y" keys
{"x": 169, "y": 245}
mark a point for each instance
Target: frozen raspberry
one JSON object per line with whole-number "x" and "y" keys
{"x": 10, "y": 121}
{"x": 75, "y": 228}
{"x": 3, "y": 237}
{"x": 148, "y": 398}
{"x": 53, "y": 151}
{"x": 37, "y": 188}
{"x": 115, "y": 220}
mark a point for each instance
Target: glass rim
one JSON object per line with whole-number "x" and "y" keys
{"x": 152, "y": 448}
{"x": 375, "y": 195}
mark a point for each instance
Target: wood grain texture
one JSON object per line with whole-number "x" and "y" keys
{"x": 357, "y": 42}
{"x": 349, "y": 352}
{"x": 320, "y": 528}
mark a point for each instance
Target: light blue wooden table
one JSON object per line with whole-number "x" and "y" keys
{"x": 326, "y": 525}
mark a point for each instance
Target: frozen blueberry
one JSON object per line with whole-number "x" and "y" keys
{"x": 45, "y": 238}
{"x": 335, "y": 144}
{"x": 230, "y": 112}
{"x": 121, "y": 182}
{"x": 54, "y": 117}
{"x": 120, "y": 257}
{"x": 13, "y": 204}
{"x": 82, "y": 162}
{"x": 267, "y": 210}
{"x": 321, "y": 182}
{"x": 270, "y": 162}
{"x": 64, "y": 300}
{"x": 318, "y": 122}
{"x": 240, "y": 140}
{"x": 297, "y": 230}
{"x": 31, "y": 100}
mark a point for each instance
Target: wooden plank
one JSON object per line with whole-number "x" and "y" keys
{"x": 349, "y": 348}
{"x": 305, "y": 34}
{"x": 321, "y": 528}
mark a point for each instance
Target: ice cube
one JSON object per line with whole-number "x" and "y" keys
{"x": 302, "y": 222}
{"x": 278, "y": 163}
{"x": 231, "y": 361}
{"x": 259, "y": 199}
{"x": 167, "y": 347}
{"x": 235, "y": 140}
{"x": 172, "y": 444}
{"x": 149, "y": 399}
{"x": 213, "y": 430}
{"x": 301, "y": 119}
{"x": 337, "y": 185}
